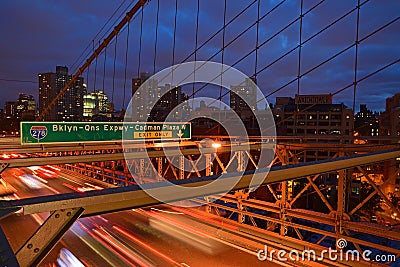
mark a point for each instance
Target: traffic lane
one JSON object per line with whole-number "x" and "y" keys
{"x": 62, "y": 183}
{"x": 129, "y": 236}
{"x": 19, "y": 228}
{"x": 141, "y": 224}
{"x": 214, "y": 253}
{"x": 102, "y": 254}
{"x": 109, "y": 249}
{"x": 35, "y": 186}
{"x": 87, "y": 248}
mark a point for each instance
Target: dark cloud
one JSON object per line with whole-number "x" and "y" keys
{"x": 38, "y": 35}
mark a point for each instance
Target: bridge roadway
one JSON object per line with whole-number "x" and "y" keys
{"x": 109, "y": 200}
{"x": 147, "y": 237}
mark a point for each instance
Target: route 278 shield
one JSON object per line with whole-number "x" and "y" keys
{"x": 38, "y": 132}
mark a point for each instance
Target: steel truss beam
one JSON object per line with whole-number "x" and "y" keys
{"x": 250, "y": 236}
{"x": 24, "y": 162}
{"x": 359, "y": 227}
{"x": 114, "y": 199}
{"x": 108, "y": 200}
{"x": 48, "y": 234}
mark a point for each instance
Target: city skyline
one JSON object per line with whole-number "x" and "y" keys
{"x": 45, "y": 34}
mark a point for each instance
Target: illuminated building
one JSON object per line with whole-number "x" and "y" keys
{"x": 70, "y": 106}
{"x": 312, "y": 115}
{"x": 95, "y": 103}
{"x": 247, "y": 90}
{"x": 366, "y": 122}
{"x": 26, "y": 107}
{"x": 161, "y": 106}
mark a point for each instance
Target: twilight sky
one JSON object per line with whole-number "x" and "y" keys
{"x": 38, "y": 35}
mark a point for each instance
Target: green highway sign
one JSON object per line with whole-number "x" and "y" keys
{"x": 76, "y": 132}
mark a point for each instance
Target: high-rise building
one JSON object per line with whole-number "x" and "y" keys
{"x": 26, "y": 107}
{"x": 47, "y": 92}
{"x": 95, "y": 103}
{"x": 162, "y": 106}
{"x": 10, "y": 109}
{"x": 70, "y": 106}
{"x": 390, "y": 118}
{"x": 137, "y": 82}
{"x": 247, "y": 90}
{"x": 366, "y": 122}
{"x": 166, "y": 103}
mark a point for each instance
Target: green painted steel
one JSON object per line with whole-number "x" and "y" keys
{"x": 76, "y": 132}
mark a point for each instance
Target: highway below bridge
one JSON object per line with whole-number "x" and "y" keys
{"x": 156, "y": 236}
{"x": 239, "y": 225}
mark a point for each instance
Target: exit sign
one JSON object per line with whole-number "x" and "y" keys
{"x": 76, "y": 132}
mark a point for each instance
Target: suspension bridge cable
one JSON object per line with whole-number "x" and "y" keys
{"x": 356, "y": 55}
{"x": 214, "y": 35}
{"x": 88, "y": 46}
{"x": 174, "y": 41}
{"x": 366, "y": 37}
{"x": 222, "y": 61}
{"x": 104, "y": 68}
{"x": 140, "y": 41}
{"x": 233, "y": 40}
{"x": 313, "y": 36}
{"x": 115, "y": 59}
{"x": 195, "y": 47}
{"x": 123, "y": 13}
{"x": 126, "y": 64}
{"x": 127, "y": 18}
{"x": 335, "y": 56}
{"x": 87, "y": 78}
{"x": 95, "y": 71}
{"x": 299, "y": 63}
{"x": 156, "y": 37}
{"x": 347, "y": 87}
{"x": 293, "y": 49}
{"x": 257, "y": 36}
{"x": 221, "y": 29}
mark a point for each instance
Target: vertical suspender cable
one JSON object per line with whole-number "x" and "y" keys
{"x": 257, "y": 37}
{"x": 140, "y": 41}
{"x": 79, "y": 60}
{"x": 93, "y": 56}
{"x": 356, "y": 56}
{"x": 104, "y": 68}
{"x": 95, "y": 72}
{"x": 256, "y": 51}
{"x": 222, "y": 61}
{"x": 115, "y": 60}
{"x": 174, "y": 42}
{"x": 87, "y": 78}
{"x": 156, "y": 38}
{"x": 126, "y": 64}
{"x": 299, "y": 65}
{"x": 195, "y": 48}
